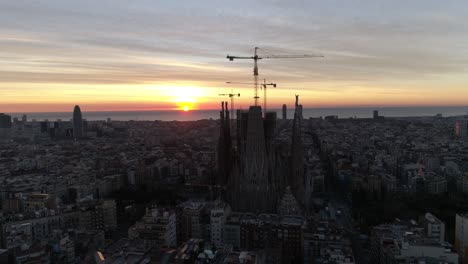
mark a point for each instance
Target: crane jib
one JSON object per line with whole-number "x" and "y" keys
{"x": 255, "y": 70}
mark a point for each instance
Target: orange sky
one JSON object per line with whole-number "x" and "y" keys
{"x": 114, "y": 97}
{"x": 121, "y": 55}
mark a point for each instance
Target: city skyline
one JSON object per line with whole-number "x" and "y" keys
{"x": 120, "y": 56}
{"x": 141, "y": 132}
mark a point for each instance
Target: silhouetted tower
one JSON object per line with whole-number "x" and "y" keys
{"x": 5, "y": 126}
{"x": 285, "y": 113}
{"x": 77, "y": 123}
{"x": 298, "y": 107}
{"x": 5, "y": 121}
{"x": 376, "y": 114}
{"x": 255, "y": 179}
{"x": 24, "y": 118}
{"x": 296, "y": 179}
{"x": 224, "y": 146}
{"x": 255, "y": 187}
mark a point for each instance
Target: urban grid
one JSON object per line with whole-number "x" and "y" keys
{"x": 232, "y": 179}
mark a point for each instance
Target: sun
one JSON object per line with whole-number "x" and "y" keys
{"x": 185, "y": 103}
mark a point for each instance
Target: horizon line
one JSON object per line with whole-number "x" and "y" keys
{"x": 217, "y": 109}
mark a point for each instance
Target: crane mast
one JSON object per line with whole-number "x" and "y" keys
{"x": 265, "y": 94}
{"x": 264, "y": 86}
{"x": 231, "y": 96}
{"x": 255, "y": 73}
{"x": 256, "y": 57}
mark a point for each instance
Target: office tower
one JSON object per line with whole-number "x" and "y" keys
{"x": 44, "y": 127}
{"x": 285, "y": 112}
{"x": 5, "y": 126}
{"x": 24, "y": 118}
{"x": 5, "y": 121}
{"x": 77, "y": 123}
{"x": 376, "y": 114}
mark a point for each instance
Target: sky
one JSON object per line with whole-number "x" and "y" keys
{"x": 147, "y": 55}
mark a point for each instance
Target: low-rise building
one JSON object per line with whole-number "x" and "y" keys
{"x": 157, "y": 228}
{"x": 461, "y": 236}
{"x": 405, "y": 241}
{"x": 434, "y": 227}
{"x": 192, "y": 219}
{"x": 436, "y": 184}
{"x": 218, "y": 217}
{"x": 98, "y": 215}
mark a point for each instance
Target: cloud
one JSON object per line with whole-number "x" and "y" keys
{"x": 367, "y": 43}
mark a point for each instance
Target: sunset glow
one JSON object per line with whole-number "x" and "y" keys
{"x": 109, "y": 62}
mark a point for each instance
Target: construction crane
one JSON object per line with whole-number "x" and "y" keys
{"x": 264, "y": 85}
{"x": 256, "y": 57}
{"x": 231, "y": 96}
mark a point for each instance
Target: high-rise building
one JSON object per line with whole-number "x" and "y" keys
{"x": 5, "y": 120}
{"x": 24, "y": 118}
{"x": 77, "y": 123}
{"x": 5, "y": 126}
{"x": 285, "y": 113}
{"x": 376, "y": 114}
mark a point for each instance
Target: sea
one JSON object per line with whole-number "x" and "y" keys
{"x": 178, "y": 115}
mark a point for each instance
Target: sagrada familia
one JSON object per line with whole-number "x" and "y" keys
{"x": 256, "y": 169}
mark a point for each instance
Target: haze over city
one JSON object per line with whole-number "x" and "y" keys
{"x": 141, "y": 55}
